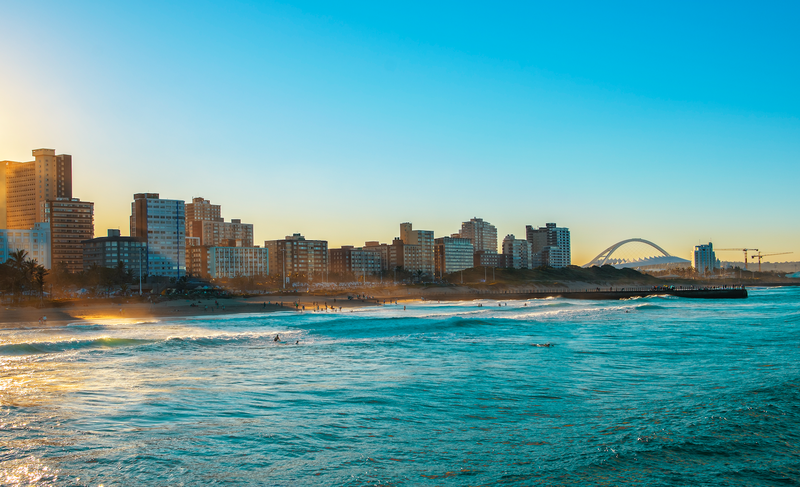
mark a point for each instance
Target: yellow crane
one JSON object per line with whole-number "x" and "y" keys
{"x": 759, "y": 257}
{"x": 740, "y": 250}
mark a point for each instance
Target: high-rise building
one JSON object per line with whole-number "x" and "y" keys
{"x": 296, "y": 256}
{"x": 222, "y": 234}
{"x": 24, "y": 186}
{"x": 482, "y": 234}
{"x": 204, "y": 220}
{"x": 194, "y": 257}
{"x": 452, "y": 254}
{"x": 550, "y": 246}
{"x": 35, "y": 241}
{"x": 202, "y": 209}
{"x": 71, "y": 223}
{"x": 114, "y": 249}
{"x": 405, "y": 256}
{"x": 517, "y": 251}
{"x": 380, "y": 249}
{"x": 355, "y": 262}
{"x": 161, "y": 223}
{"x": 424, "y": 239}
{"x": 705, "y": 260}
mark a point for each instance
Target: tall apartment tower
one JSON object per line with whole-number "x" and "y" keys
{"x": 423, "y": 238}
{"x": 24, "y": 186}
{"x": 204, "y": 221}
{"x": 518, "y": 252}
{"x": 550, "y": 246}
{"x": 71, "y": 223}
{"x": 705, "y": 260}
{"x": 161, "y": 223}
{"x": 201, "y": 209}
{"x": 483, "y": 234}
{"x": 296, "y": 256}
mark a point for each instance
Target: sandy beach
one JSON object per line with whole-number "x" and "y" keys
{"x": 91, "y": 309}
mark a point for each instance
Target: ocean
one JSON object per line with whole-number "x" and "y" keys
{"x": 650, "y": 391}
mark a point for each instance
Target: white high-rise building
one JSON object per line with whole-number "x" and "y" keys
{"x": 162, "y": 224}
{"x": 705, "y": 260}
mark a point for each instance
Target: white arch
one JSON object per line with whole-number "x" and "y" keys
{"x": 603, "y": 257}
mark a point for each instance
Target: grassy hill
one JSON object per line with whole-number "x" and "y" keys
{"x": 549, "y": 275}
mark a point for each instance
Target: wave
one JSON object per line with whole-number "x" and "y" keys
{"x": 37, "y": 348}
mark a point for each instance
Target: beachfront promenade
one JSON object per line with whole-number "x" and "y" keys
{"x": 711, "y": 292}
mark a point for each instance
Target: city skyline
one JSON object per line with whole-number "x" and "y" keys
{"x": 338, "y": 123}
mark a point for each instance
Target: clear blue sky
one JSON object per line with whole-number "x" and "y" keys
{"x": 675, "y": 122}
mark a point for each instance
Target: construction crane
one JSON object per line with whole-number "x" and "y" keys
{"x": 740, "y": 250}
{"x": 759, "y": 257}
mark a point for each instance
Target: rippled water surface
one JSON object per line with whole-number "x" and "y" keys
{"x": 655, "y": 391}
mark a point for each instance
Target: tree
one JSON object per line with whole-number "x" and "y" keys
{"x": 39, "y": 272}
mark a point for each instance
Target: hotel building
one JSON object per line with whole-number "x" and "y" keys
{"x": 705, "y": 260}
{"x": 24, "y": 186}
{"x": 161, "y": 224}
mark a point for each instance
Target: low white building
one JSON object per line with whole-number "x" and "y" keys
{"x": 36, "y": 242}
{"x": 227, "y": 262}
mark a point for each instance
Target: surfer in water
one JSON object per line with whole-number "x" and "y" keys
{"x": 277, "y": 338}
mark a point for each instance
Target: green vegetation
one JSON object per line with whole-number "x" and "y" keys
{"x": 550, "y": 276}
{"x": 21, "y": 276}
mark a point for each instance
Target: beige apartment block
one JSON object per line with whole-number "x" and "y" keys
{"x": 24, "y": 186}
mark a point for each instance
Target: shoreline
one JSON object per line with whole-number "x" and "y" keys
{"x": 92, "y": 310}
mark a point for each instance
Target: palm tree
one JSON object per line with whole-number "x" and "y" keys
{"x": 17, "y": 260}
{"x": 38, "y": 277}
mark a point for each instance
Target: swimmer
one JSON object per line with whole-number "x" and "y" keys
{"x": 297, "y": 342}
{"x": 277, "y": 338}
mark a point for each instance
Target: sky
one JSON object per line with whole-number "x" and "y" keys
{"x": 677, "y": 122}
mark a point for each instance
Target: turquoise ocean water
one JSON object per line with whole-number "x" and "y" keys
{"x": 652, "y": 391}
